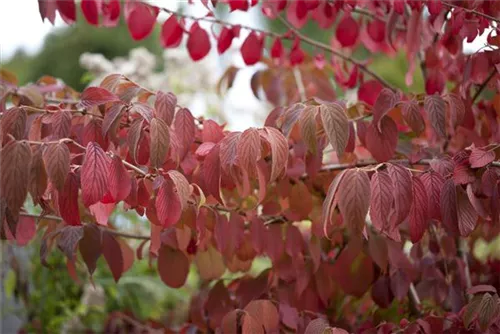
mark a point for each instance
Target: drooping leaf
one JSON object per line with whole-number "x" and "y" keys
{"x": 112, "y": 117}
{"x": 318, "y": 325}
{"x": 307, "y": 122}
{"x": 68, "y": 200}
{"x": 198, "y": 43}
{"x": 61, "y": 124}
{"x": 403, "y": 191}
{"x": 336, "y": 126}
{"x": 381, "y": 200}
{"x": 248, "y": 150}
{"x": 433, "y": 183}
{"x": 119, "y": 184}
{"x": 15, "y": 161}
{"x": 165, "y": 106}
{"x": 279, "y": 151}
{"x": 160, "y": 141}
{"x": 467, "y": 216}
{"x": 168, "y": 204}
{"x": 94, "y": 174}
{"x": 133, "y": 137}
{"x": 471, "y": 310}
{"x": 38, "y": 175}
{"x": 456, "y": 107}
{"x": 382, "y": 143}
{"x": 434, "y": 105}
{"x": 385, "y": 101}
{"x": 251, "y": 50}
{"x": 182, "y": 187}
{"x": 117, "y": 254}
{"x": 488, "y": 310}
{"x": 90, "y": 246}
{"x": 14, "y": 122}
{"x": 141, "y": 20}
{"x": 184, "y": 128}
{"x": 354, "y": 199}
{"x": 449, "y": 206}
{"x": 69, "y": 237}
{"x": 57, "y": 160}
{"x": 171, "y": 33}
{"x": 347, "y": 31}
{"x": 419, "y": 210}
{"x": 173, "y": 266}
{"x": 413, "y": 117}
{"x": 210, "y": 263}
{"x": 212, "y": 173}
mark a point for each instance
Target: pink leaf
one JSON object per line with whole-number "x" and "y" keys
{"x": 354, "y": 199}
{"x": 381, "y": 199}
{"x": 382, "y": 143}
{"x": 94, "y": 96}
{"x": 403, "y": 193}
{"x": 94, "y": 174}
{"x": 479, "y": 158}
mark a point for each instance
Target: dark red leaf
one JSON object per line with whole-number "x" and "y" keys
{"x": 225, "y": 39}
{"x": 385, "y": 101}
{"x": 467, "y": 216}
{"x": 413, "y": 117}
{"x": 347, "y": 31}
{"x": 403, "y": 191}
{"x": 90, "y": 11}
{"x": 119, "y": 184}
{"x": 69, "y": 237}
{"x": 433, "y": 183}
{"x": 419, "y": 211}
{"x": 173, "y": 266}
{"x": 57, "y": 160}
{"x": 117, "y": 254}
{"x": 435, "y": 107}
{"x": 93, "y": 96}
{"x": 382, "y": 143}
{"x": 354, "y": 199}
{"x": 68, "y": 200}
{"x": 369, "y": 90}
{"x": 381, "y": 199}
{"x": 15, "y": 159}
{"x": 90, "y": 246}
{"x": 67, "y": 10}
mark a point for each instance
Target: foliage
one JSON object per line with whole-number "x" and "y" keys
{"x": 372, "y": 239}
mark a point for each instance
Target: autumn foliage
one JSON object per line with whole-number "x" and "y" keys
{"x": 363, "y": 204}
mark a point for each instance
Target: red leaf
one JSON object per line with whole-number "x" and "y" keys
{"x": 251, "y": 50}
{"x": 173, "y": 267}
{"x": 279, "y": 151}
{"x": 418, "y": 213}
{"x": 481, "y": 289}
{"x": 168, "y": 204}
{"x": 94, "y": 174}
{"x": 457, "y": 109}
{"x": 435, "y": 107}
{"x": 90, "y": 246}
{"x": 134, "y": 135}
{"x": 225, "y": 39}
{"x": 331, "y": 200}
{"x": 307, "y": 123}
{"x": 449, "y": 206}
{"x": 67, "y": 10}
{"x": 14, "y": 123}
{"x": 318, "y": 325}
{"x": 433, "y": 183}
{"x": 93, "y": 96}
{"x": 47, "y": 10}
{"x": 467, "y": 216}
{"x": 69, "y": 236}
{"x": 141, "y": 20}
{"x": 160, "y": 142}
{"x": 265, "y": 313}
{"x": 198, "y": 43}
{"x": 117, "y": 253}
{"x": 119, "y": 184}
{"x": 142, "y": 109}
{"x": 413, "y": 117}
{"x": 211, "y": 173}
{"x": 277, "y": 50}
{"x": 289, "y": 316}
{"x": 171, "y": 33}
{"x": 111, "y": 13}
{"x": 382, "y": 143}
{"x": 61, "y": 124}
{"x": 369, "y": 90}
{"x": 347, "y": 31}
{"x": 403, "y": 193}
{"x": 25, "y": 230}
{"x": 479, "y": 158}
{"x": 184, "y": 128}
{"x": 381, "y": 199}
{"x": 238, "y": 5}
{"x": 15, "y": 159}
{"x": 57, "y": 159}
{"x": 386, "y": 100}
{"x": 112, "y": 118}
{"x": 68, "y": 200}
{"x": 336, "y": 126}
{"x": 300, "y": 200}
{"x": 354, "y": 199}
{"x": 248, "y": 150}
{"x": 90, "y": 11}
{"x": 165, "y": 106}
{"x": 93, "y": 132}
{"x": 212, "y": 132}
{"x": 38, "y": 176}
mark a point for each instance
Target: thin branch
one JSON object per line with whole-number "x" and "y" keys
{"x": 483, "y": 85}
{"x": 472, "y": 11}
{"x": 414, "y": 300}
{"x": 300, "y": 84}
{"x": 327, "y": 48}
{"x": 57, "y": 218}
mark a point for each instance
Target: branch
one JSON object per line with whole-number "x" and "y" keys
{"x": 483, "y": 85}
{"x": 472, "y": 11}
{"x": 117, "y": 233}
{"x": 327, "y": 48}
{"x": 414, "y": 301}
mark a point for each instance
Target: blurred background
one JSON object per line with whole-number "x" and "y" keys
{"x": 50, "y": 301}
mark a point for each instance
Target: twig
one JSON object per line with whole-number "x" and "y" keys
{"x": 117, "y": 233}
{"x": 300, "y": 84}
{"x": 472, "y": 11}
{"x": 463, "y": 252}
{"x": 414, "y": 300}
{"x": 483, "y": 85}
{"x": 327, "y": 48}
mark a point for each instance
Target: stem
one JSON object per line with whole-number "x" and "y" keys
{"x": 483, "y": 85}
{"x": 300, "y": 84}
{"x": 327, "y": 48}
{"x": 414, "y": 301}
{"x": 117, "y": 233}
{"x": 472, "y": 11}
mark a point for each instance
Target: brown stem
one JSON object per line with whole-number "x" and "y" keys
{"x": 117, "y": 233}
{"x": 414, "y": 301}
{"x": 472, "y": 11}
{"x": 327, "y": 48}
{"x": 483, "y": 85}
